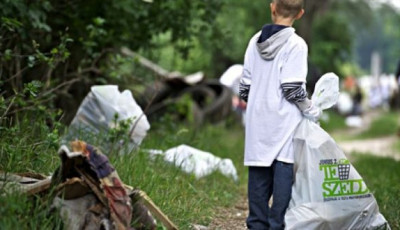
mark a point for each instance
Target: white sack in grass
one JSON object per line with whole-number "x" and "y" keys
{"x": 200, "y": 163}
{"x": 328, "y": 192}
{"x": 97, "y": 114}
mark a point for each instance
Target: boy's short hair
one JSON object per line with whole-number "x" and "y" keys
{"x": 289, "y": 8}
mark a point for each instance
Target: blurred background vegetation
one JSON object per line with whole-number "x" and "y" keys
{"x": 54, "y": 51}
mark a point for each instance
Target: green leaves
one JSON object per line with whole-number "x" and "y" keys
{"x": 98, "y": 21}
{"x": 7, "y": 54}
{"x": 10, "y": 24}
{"x": 61, "y": 42}
{"x": 332, "y": 43}
{"x": 31, "y": 61}
{"x": 32, "y": 88}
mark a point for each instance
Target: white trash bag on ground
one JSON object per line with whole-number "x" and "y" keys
{"x": 198, "y": 162}
{"x": 328, "y": 192}
{"x": 105, "y": 108}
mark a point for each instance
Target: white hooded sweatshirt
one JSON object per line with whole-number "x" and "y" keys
{"x": 271, "y": 119}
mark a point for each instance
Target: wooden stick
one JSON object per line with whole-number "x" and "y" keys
{"x": 27, "y": 185}
{"x": 149, "y": 64}
{"x": 37, "y": 187}
{"x": 156, "y": 211}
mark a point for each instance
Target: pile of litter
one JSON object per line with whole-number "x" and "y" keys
{"x": 88, "y": 194}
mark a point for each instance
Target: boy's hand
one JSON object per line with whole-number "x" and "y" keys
{"x": 313, "y": 113}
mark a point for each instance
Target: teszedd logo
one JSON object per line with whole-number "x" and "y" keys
{"x": 336, "y": 185}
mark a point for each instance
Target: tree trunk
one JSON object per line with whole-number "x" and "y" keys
{"x": 312, "y": 8}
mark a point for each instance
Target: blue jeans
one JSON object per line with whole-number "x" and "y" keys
{"x": 276, "y": 180}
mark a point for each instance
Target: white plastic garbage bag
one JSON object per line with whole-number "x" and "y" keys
{"x": 328, "y": 192}
{"x": 231, "y": 77}
{"x": 102, "y": 110}
{"x": 354, "y": 121}
{"x": 345, "y": 103}
{"x": 326, "y": 91}
{"x": 200, "y": 163}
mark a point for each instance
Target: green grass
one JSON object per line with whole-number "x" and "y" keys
{"x": 335, "y": 121}
{"x": 183, "y": 198}
{"x": 382, "y": 176}
{"x": 29, "y": 145}
{"x": 396, "y": 146}
{"x": 22, "y": 212}
{"x": 32, "y": 146}
{"x": 384, "y": 125}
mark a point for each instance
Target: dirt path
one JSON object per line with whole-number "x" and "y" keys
{"x": 383, "y": 146}
{"x": 367, "y": 118}
{"x": 234, "y": 218}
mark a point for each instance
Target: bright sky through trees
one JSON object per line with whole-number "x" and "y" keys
{"x": 395, "y": 3}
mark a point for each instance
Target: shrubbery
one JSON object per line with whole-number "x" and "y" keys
{"x": 69, "y": 45}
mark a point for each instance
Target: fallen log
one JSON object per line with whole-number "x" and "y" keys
{"x": 11, "y": 182}
{"x": 190, "y": 79}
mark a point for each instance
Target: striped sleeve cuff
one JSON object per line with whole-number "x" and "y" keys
{"x": 244, "y": 90}
{"x": 294, "y": 91}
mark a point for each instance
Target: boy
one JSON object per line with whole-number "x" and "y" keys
{"x": 273, "y": 81}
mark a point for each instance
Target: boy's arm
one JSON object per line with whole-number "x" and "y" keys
{"x": 244, "y": 86}
{"x": 294, "y": 73}
{"x": 295, "y": 92}
{"x": 245, "y": 80}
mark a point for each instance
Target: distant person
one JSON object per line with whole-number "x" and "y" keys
{"x": 397, "y": 75}
{"x": 349, "y": 83}
{"x": 273, "y": 84}
{"x": 357, "y": 101}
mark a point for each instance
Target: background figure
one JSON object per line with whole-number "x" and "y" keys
{"x": 397, "y": 76}
{"x": 357, "y": 101}
{"x": 398, "y": 71}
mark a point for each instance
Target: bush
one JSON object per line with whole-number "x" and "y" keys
{"x": 69, "y": 45}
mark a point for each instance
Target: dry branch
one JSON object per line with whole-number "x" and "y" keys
{"x": 150, "y": 65}
{"x": 156, "y": 211}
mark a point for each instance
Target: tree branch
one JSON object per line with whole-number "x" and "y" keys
{"x": 29, "y": 107}
{"x": 16, "y": 74}
{"x": 8, "y": 108}
{"x": 150, "y": 65}
{"x": 70, "y": 82}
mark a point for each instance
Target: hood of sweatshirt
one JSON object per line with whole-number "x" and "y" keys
{"x": 272, "y": 39}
